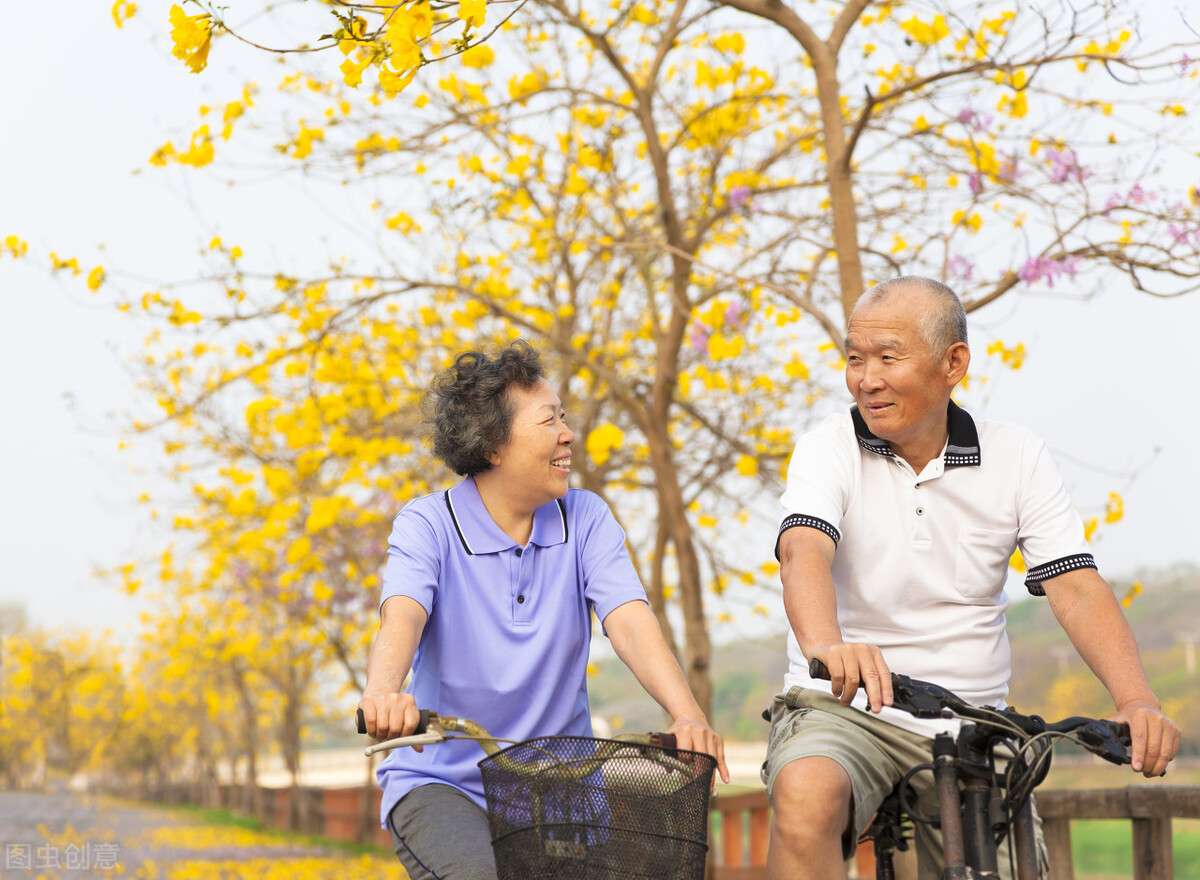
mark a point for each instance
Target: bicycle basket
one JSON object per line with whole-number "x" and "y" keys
{"x": 568, "y": 807}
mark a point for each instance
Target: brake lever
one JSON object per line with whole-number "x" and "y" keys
{"x": 1109, "y": 740}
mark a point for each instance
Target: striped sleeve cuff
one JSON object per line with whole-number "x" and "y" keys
{"x": 1035, "y": 576}
{"x": 799, "y": 519}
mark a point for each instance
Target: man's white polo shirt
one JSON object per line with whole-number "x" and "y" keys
{"x": 921, "y": 560}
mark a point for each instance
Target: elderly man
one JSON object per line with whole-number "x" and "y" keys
{"x": 902, "y": 516}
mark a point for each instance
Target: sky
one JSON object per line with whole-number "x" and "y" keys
{"x": 1107, "y": 382}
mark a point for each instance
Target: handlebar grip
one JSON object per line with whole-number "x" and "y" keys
{"x": 667, "y": 740}
{"x": 817, "y": 669}
{"x": 360, "y": 721}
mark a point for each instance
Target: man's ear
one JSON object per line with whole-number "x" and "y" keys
{"x": 957, "y": 360}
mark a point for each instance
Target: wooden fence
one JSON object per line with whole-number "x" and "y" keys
{"x": 744, "y": 821}
{"x": 741, "y": 823}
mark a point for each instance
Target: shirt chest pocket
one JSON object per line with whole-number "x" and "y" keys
{"x": 981, "y": 564}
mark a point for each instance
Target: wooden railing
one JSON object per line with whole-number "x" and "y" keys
{"x": 741, "y": 824}
{"x": 1150, "y": 808}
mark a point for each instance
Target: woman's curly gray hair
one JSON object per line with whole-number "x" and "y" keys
{"x": 468, "y": 410}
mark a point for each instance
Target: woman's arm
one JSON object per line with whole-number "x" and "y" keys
{"x": 388, "y": 712}
{"x": 638, "y": 641}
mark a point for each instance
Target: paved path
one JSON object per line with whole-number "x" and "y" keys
{"x": 76, "y": 836}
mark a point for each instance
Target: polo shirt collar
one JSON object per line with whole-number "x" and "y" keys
{"x": 479, "y": 532}
{"x": 962, "y": 447}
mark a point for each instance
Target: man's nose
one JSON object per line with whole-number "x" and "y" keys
{"x": 871, "y": 378}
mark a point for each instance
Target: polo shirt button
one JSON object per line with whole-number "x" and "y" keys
{"x": 920, "y": 511}
{"x": 520, "y": 600}
{"x": 519, "y": 551}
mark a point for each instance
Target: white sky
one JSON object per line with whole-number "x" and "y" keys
{"x": 1107, "y": 382}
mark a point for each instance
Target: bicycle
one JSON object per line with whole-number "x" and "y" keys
{"x": 979, "y": 804}
{"x": 581, "y": 808}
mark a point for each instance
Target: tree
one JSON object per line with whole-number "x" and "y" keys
{"x": 61, "y": 706}
{"x": 681, "y": 215}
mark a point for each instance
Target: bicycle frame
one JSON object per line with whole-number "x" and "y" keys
{"x": 968, "y": 786}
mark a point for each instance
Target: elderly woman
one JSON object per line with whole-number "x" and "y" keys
{"x": 487, "y": 597}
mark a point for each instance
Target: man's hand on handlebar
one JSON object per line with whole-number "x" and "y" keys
{"x": 390, "y": 715}
{"x": 856, "y": 665}
{"x": 1155, "y": 737}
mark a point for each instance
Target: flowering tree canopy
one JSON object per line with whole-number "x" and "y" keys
{"x": 678, "y": 203}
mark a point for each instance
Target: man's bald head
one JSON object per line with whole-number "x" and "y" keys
{"x": 943, "y": 321}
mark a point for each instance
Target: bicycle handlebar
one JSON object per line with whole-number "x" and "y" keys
{"x": 922, "y": 699}
{"x": 432, "y": 729}
{"x": 360, "y": 721}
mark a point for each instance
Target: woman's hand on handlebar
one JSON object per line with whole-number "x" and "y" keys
{"x": 1154, "y": 736}
{"x": 856, "y": 665}
{"x": 697, "y": 736}
{"x": 390, "y": 715}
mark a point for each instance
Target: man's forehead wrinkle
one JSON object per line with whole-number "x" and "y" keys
{"x": 874, "y": 339}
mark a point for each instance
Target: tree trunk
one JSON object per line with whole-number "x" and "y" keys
{"x": 672, "y": 512}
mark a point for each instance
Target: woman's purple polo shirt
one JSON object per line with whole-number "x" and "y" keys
{"x": 509, "y": 628}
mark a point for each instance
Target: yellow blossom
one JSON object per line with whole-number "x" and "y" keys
{"x": 926, "y": 33}
{"x": 1132, "y": 593}
{"x": 1017, "y": 562}
{"x": 1114, "y": 510}
{"x": 602, "y": 441}
{"x": 192, "y": 36}
{"x": 478, "y": 57}
{"x": 122, "y": 11}
{"x": 473, "y": 12}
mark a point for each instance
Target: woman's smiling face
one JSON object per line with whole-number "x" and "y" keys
{"x": 535, "y": 463}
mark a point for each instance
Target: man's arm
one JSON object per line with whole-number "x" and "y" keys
{"x": 636, "y": 637}
{"x": 809, "y": 598}
{"x": 1087, "y": 609}
{"x": 388, "y": 712}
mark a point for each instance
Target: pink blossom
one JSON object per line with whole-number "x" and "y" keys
{"x": 972, "y": 120}
{"x": 960, "y": 267}
{"x": 739, "y": 197}
{"x": 1048, "y": 269}
{"x": 1064, "y": 166}
{"x": 698, "y": 337}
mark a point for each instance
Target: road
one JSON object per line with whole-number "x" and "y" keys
{"x": 69, "y": 836}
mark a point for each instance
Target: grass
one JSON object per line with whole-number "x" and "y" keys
{"x": 223, "y": 818}
{"x": 1103, "y": 848}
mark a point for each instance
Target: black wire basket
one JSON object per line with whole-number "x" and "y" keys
{"x": 579, "y": 808}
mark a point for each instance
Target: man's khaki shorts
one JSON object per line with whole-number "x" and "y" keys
{"x": 875, "y": 754}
